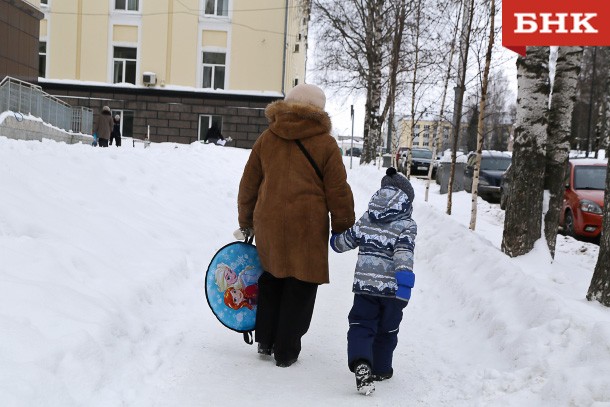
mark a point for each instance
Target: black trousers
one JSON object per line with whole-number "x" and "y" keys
{"x": 102, "y": 142}
{"x": 116, "y": 138}
{"x": 284, "y": 311}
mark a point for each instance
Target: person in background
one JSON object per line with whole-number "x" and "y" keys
{"x": 116, "y": 131}
{"x": 214, "y": 136}
{"x": 293, "y": 179}
{"x": 104, "y": 126}
{"x": 384, "y": 277}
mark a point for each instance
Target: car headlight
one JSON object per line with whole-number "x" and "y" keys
{"x": 590, "y": 206}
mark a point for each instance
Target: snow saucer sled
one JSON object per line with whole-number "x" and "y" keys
{"x": 231, "y": 286}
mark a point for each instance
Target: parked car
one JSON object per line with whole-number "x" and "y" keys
{"x": 493, "y": 165}
{"x": 444, "y": 164}
{"x": 421, "y": 160}
{"x": 505, "y": 187}
{"x": 583, "y": 198}
{"x": 357, "y": 151}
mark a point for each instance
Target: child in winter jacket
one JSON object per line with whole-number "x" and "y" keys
{"x": 383, "y": 280}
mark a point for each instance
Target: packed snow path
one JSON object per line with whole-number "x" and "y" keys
{"x": 102, "y": 259}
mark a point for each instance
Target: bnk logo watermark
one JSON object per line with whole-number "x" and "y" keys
{"x": 555, "y": 22}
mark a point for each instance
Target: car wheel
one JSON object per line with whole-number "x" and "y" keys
{"x": 568, "y": 224}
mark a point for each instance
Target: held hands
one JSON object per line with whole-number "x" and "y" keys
{"x": 243, "y": 233}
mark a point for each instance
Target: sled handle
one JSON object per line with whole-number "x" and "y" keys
{"x": 248, "y": 337}
{"x": 249, "y": 239}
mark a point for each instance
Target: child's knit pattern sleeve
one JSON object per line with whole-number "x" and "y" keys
{"x": 403, "y": 261}
{"x": 405, "y": 248}
{"x": 348, "y": 240}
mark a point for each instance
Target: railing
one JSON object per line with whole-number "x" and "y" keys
{"x": 23, "y": 97}
{"x": 82, "y": 120}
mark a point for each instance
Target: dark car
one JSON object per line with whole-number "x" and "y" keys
{"x": 583, "y": 198}
{"x": 354, "y": 151}
{"x": 505, "y": 187}
{"x": 421, "y": 160}
{"x": 493, "y": 165}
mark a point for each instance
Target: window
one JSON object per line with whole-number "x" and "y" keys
{"x": 214, "y": 70}
{"x": 591, "y": 177}
{"x": 216, "y": 8}
{"x": 295, "y": 82}
{"x": 127, "y": 5}
{"x": 126, "y": 121}
{"x": 44, "y": 2}
{"x": 205, "y": 122}
{"x": 125, "y": 60}
{"x": 42, "y": 59}
{"x": 296, "y": 47}
{"x": 427, "y": 127}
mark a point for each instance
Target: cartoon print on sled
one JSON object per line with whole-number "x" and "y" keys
{"x": 231, "y": 285}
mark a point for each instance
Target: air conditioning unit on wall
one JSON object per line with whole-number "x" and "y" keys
{"x": 149, "y": 78}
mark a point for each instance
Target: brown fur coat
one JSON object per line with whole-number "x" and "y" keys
{"x": 281, "y": 196}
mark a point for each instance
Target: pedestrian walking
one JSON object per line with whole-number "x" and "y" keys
{"x": 104, "y": 126}
{"x": 385, "y": 235}
{"x": 293, "y": 179}
{"x": 116, "y": 131}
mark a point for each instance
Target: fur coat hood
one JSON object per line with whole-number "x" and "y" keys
{"x": 286, "y": 202}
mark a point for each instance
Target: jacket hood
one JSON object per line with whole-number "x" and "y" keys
{"x": 389, "y": 204}
{"x": 293, "y": 120}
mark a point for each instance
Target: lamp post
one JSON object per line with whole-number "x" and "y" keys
{"x": 351, "y": 150}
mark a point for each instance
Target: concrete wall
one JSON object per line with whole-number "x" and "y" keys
{"x": 25, "y": 129}
{"x": 173, "y": 116}
{"x": 19, "y": 33}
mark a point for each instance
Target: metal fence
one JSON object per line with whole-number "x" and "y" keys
{"x": 26, "y": 98}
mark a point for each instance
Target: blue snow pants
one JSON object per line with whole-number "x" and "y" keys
{"x": 373, "y": 331}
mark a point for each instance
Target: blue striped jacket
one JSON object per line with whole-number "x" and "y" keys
{"x": 385, "y": 235}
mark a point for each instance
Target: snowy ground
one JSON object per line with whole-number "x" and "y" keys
{"x": 102, "y": 259}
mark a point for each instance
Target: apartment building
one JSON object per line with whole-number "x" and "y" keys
{"x": 498, "y": 132}
{"x": 171, "y": 68}
{"x": 19, "y": 31}
{"x": 424, "y": 133}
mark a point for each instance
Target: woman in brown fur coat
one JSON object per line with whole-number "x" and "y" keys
{"x": 285, "y": 199}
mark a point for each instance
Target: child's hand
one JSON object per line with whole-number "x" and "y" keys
{"x": 405, "y": 279}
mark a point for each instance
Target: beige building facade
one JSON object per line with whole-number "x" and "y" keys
{"x": 424, "y": 132}
{"x": 221, "y": 60}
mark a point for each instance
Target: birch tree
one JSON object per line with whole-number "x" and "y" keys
{"x": 599, "y": 289}
{"x": 438, "y": 127}
{"x": 480, "y": 135}
{"x": 559, "y": 132}
{"x": 460, "y": 88}
{"x": 353, "y": 38}
{"x": 523, "y": 215}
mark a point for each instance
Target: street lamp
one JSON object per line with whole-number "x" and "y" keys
{"x": 351, "y": 151}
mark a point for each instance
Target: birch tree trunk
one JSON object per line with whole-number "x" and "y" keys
{"x": 459, "y": 94}
{"x": 523, "y": 215}
{"x": 372, "y": 135}
{"x": 559, "y": 134}
{"x": 475, "y": 177}
{"x": 438, "y": 126}
{"x": 413, "y": 87}
{"x": 599, "y": 289}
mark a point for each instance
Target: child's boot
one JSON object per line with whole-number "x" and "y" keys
{"x": 364, "y": 378}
